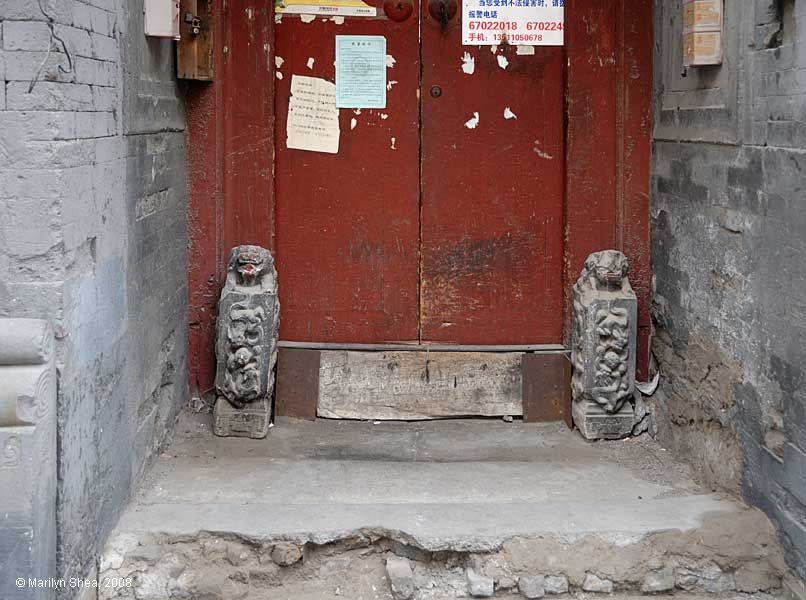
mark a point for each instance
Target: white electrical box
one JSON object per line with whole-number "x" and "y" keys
{"x": 161, "y": 18}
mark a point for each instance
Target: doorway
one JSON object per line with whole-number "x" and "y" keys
{"x": 354, "y": 265}
{"x": 440, "y": 219}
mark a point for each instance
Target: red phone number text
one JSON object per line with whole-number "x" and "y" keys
{"x": 513, "y": 25}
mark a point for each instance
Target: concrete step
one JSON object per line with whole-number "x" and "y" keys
{"x": 339, "y": 509}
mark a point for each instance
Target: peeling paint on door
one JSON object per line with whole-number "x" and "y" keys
{"x": 468, "y": 63}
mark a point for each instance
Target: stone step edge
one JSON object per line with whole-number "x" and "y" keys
{"x": 729, "y": 552}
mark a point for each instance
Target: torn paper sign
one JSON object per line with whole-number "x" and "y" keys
{"x": 350, "y": 8}
{"x": 313, "y": 119}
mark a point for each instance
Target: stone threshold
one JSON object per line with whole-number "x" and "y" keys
{"x": 319, "y": 509}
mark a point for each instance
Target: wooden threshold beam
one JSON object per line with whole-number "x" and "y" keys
{"x": 418, "y": 347}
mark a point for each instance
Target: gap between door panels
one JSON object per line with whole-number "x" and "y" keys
{"x": 420, "y": 256}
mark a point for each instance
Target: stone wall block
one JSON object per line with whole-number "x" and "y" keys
{"x": 25, "y": 342}
{"x": 72, "y": 250}
{"x": 26, "y": 35}
{"x": 27, "y": 456}
{"x": 728, "y": 249}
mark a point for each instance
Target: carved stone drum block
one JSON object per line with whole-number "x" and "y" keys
{"x": 246, "y": 344}
{"x": 27, "y": 456}
{"x": 604, "y": 347}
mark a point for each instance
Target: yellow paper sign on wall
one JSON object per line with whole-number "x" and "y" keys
{"x": 347, "y": 8}
{"x": 702, "y": 32}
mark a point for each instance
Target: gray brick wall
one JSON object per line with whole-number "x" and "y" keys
{"x": 729, "y": 257}
{"x": 93, "y": 235}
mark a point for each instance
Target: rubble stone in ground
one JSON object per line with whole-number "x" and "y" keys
{"x": 478, "y": 585}
{"x": 401, "y": 577}
{"x": 708, "y": 577}
{"x": 594, "y": 583}
{"x": 556, "y": 584}
{"x": 532, "y": 586}
{"x": 658, "y": 581}
{"x": 333, "y": 566}
{"x": 286, "y": 554}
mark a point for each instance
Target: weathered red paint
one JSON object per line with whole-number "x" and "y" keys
{"x": 248, "y": 116}
{"x": 492, "y": 195}
{"x": 347, "y": 223}
{"x": 636, "y": 110}
{"x": 230, "y": 155}
{"x": 607, "y": 149}
{"x": 609, "y": 83}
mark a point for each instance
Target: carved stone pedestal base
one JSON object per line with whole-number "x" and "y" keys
{"x": 251, "y": 421}
{"x": 595, "y": 423}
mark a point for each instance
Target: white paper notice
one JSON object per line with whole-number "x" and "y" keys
{"x": 313, "y": 119}
{"x": 521, "y": 22}
{"x": 361, "y": 64}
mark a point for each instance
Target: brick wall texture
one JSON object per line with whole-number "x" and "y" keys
{"x": 93, "y": 236}
{"x": 729, "y": 257}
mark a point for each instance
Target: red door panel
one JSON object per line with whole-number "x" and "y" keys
{"x": 345, "y": 228}
{"x": 347, "y": 224}
{"x": 492, "y": 195}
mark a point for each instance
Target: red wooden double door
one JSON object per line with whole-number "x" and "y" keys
{"x": 444, "y": 217}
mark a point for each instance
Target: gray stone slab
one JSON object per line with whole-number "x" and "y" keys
{"x": 251, "y": 421}
{"x": 596, "y": 424}
{"x": 450, "y": 485}
{"x": 468, "y": 526}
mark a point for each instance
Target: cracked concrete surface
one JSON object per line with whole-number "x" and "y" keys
{"x": 506, "y": 499}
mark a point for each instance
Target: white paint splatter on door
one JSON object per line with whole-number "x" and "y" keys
{"x": 468, "y": 64}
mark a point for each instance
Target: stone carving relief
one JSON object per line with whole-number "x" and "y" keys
{"x": 612, "y": 353}
{"x": 603, "y": 345}
{"x": 246, "y": 346}
{"x": 28, "y": 450}
{"x": 12, "y": 453}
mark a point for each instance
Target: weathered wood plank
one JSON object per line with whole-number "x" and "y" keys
{"x": 546, "y": 387}
{"x": 297, "y": 383}
{"x": 418, "y": 385}
{"x": 194, "y": 51}
{"x": 426, "y": 347}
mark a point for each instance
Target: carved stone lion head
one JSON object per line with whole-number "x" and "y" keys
{"x": 249, "y": 263}
{"x": 606, "y": 269}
